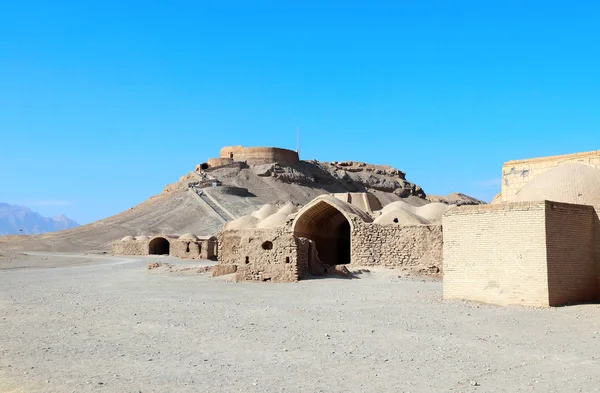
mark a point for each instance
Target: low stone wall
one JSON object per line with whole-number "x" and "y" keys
{"x": 272, "y": 254}
{"x": 395, "y": 245}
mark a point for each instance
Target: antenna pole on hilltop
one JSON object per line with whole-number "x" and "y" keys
{"x": 298, "y": 141}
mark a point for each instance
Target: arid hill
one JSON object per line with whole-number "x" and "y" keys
{"x": 194, "y": 205}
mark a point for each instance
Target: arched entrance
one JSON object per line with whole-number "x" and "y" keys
{"x": 159, "y": 246}
{"x": 329, "y": 229}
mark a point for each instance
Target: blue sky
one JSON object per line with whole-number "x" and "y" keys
{"x": 103, "y": 103}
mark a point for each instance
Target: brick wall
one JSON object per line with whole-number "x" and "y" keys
{"x": 496, "y": 254}
{"x": 394, "y": 245}
{"x": 571, "y": 250}
{"x": 517, "y": 173}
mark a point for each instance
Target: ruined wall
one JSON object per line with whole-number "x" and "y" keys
{"x": 395, "y": 245}
{"x": 259, "y": 155}
{"x": 186, "y": 249}
{"x": 517, "y": 173}
{"x": 131, "y": 247}
{"x": 496, "y": 254}
{"x": 270, "y": 254}
{"x": 571, "y": 251}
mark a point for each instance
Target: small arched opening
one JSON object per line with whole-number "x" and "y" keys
{"x": 159, "y": 246}
{"x": 329, "y": 229}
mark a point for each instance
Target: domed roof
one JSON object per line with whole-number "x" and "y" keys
{"x": 399, "y": 216}
{"x": 274, "y": 220}
{"x": 265, "y": 211}
{"x": 288, "y": 208}
{"x": 433, "y": 212}
{"x": 243, "y": 222}
{"x": 188, "y": 236}
{"x": 398, "y": 205}
{"x": 141, "y": 238}
{"x": 568, "y": 183}
{"x": 128, "y": 239}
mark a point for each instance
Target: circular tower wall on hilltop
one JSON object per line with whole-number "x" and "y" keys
{"x": 259, "y": 155}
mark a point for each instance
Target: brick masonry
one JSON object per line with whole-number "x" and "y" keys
{"x": 526, "y": 253}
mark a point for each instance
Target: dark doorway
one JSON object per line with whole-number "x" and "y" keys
{"x": 330, "y": 230}
{"x": 159, "y": 246}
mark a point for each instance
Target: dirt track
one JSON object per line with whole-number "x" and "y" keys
{"x": 106, "y": 324}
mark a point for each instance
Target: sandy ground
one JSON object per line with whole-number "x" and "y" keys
{"x": 93, "y": 323}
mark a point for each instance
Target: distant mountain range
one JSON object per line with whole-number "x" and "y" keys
{"x": 21, "y": 220}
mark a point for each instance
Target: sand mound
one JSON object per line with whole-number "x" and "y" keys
{"x": 399, "y": 216}
{"x": 265, "y": 211}
{"x": 569, "y": 183}
{"x": 288, "y": 208}
{"x": 243, "y": 222}
{"x": 128, "y": 239}
{"x": 274, "y": 220}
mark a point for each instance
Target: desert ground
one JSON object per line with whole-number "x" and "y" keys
{"x": 96, "y": 323}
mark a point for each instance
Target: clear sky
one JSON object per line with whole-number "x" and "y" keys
{"x": 102, "y": 103}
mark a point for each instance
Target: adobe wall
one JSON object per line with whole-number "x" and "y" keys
{"x": 130, "y": 247}
{"x": 496, "y": 254}
{"x": 571, "y": 251}
{"x": 242, "y": 251}
{"x": 395, "y": 245}
{"x": 187, "y": 249}
{"x": 517, "y": 173}
{"x": 259, "y": 155}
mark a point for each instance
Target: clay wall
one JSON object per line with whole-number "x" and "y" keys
{"x": 272, "y": 254}
{"x": 130, "y": 247}
{"x": 259, "y": 155}
{"x": 526, "y": 253}
{"x": 185, "y": 249}
{"x": 395, "y": 245}
{"x": 517, "y": 173}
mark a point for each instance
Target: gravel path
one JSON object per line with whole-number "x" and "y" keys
{"x": 110, "y": 325}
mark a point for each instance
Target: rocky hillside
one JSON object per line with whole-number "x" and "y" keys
{"x": 21, "y": 220}
{"x": 193, "y": 205}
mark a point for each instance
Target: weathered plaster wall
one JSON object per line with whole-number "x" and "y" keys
{"x": 259, "y": 155}
{"x": 272, "y": 254}
{"x": 395, "y": 245}
{"x": 517, "y": 173}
